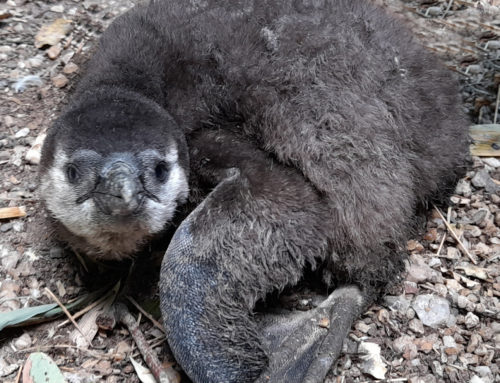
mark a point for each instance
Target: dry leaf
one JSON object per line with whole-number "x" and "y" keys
{"x": 53, "y": 33}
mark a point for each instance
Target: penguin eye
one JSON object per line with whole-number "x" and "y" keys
{"x": 161, "y": 171}
{"x": 72, "y": 173}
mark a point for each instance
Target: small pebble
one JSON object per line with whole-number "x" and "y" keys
{"x": 471, "y": 320}
{"x": 416, "y": 326}
{"x": 70, "y": 68}
{"x": 22, "y": 133}
{"x": 23, "y": 342}
{"x": 60, "y": 81}
{"x": 54, "y": 51}
{"x": 450, "y": 346}
{"x": 432, "y": 310}
{"x": 6, "y": 227}
{"x": 57, "y": 8}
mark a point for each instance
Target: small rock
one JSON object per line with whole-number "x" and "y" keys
{"x": 434, "y": 262}
{"x": 495, "y": 327}
{"x": 34, "y": 153}
{"x": 57, "y": 8}
{"x": 26, "y": 268}
{"x": 483, "y": 180}
{"x": 416, "y": 326}
{"x": 471, "y": 320}
{"x": 410, "y": 287}
{"x": 54, "y": 51}
{"x": 23, "y": 342}
{"x": 463, "y": 188}
{"x": 7, "y": 368}
{"x": 104, "y": 367}
{"x": 60, "y": 81}
{"x": 464, "y": 303}
{"x": 35, "y": 293}
{"x": 428, "y": 343}
{"x": 61, "y": 290}
{"x": 397, "y": 303}
{"x": 491, "y": 161}
{"x": 6, "y": 227}
{"x": 405, "y": 345}
{"x": 449, "y": 345}
{"x": 431, "y": 235}
{"x": 17, "y": 158}
{"x": 452, "y": 253}
{"x": 35, "y": 62}
{"x": 419, "y": 273}
{"x": 9, "y": 286}
{"x": 18, "y": 226}
{"x": 9, "y": 259}
{"x": 437, "y": 369}
{"x": 432, "y": 310}
{"x": 121, "y": 351}
{"x": 65, "y": 58}
{"x": 70, "y": 68}
{"x": 372, "y": 361}
{"x": 410, "y": 313}
{"x": 480, "y": 215}
{"x": 4, "y": 155}
{"x": 472, "y": 231}
{"x": 473, "y": 271}
{"x": 363, "y": 327}
{"x": 10, "y": 301}
{"x": 413, "y": 245}
{"x": 483, "y": 370}
{"x": 8, "y": 121}
{"x": 22, "y": 133}
{"x": 476, "y": 379}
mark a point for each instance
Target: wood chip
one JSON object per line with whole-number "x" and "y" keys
{"x": 12, "y": 212}
{"x": 486, "y": 140}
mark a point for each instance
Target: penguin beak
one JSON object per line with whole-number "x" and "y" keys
{"x": 119, "y": 191}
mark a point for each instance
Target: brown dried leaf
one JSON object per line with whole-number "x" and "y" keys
{"x": 53, "y": 33}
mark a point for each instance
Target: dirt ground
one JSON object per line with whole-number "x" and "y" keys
{"x": 440, "y": 324}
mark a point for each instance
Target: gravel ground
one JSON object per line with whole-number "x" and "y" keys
{"x": 440, "y": 324}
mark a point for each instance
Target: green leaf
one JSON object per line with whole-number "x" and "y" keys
{"x": 37, "y": 314}
{"x": 12, "y": 318}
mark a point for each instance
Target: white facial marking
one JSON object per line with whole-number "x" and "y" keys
{"x": 172, "y": 193}
{"x": 104, "y": 235}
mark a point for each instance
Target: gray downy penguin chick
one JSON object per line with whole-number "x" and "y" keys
{"x": 314, "y": 131}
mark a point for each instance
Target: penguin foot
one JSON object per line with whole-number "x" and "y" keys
{"x": 302, "y": 346}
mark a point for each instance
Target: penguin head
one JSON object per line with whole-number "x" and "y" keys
{"x": 113, "y": 172}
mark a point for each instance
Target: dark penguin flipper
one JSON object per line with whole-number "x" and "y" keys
{"x": 302, "y": 346}
{"x": 299, "y": 347}
{"x": 238, "y": 245}
{"x": 188, "y": 292}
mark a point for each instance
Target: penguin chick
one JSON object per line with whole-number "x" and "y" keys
{"x": 315, "y": 130}
{"x": 114, "y": 168}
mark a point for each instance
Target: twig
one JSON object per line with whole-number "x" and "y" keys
{"x": 497, "y": 105}
{"x": 18, "y": 376}
{"x": 162, "y": 375}
{"x": 146, "y": 314}
{"x": 448, "y": 215}
{"x": 454, "y": 235}
{"x": 65, "y": 346}
{"x": 447, "y": 9}
{"x": 51, "y": 294}
{"x": 152, "y": 345}
{"x": 389, "y": 380}
{"x": 85, "y": 310}
{"x": 441, "y": 245}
